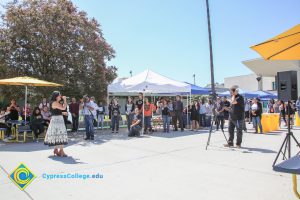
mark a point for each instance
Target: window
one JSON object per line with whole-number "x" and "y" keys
{"x": 274, "y": 86}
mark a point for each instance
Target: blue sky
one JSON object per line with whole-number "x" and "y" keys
{"x": 170, "y": 36}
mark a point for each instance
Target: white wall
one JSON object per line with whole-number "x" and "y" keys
{"x": 249, "y": 82}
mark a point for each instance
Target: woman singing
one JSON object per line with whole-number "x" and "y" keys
{"x": 57, "y": 133}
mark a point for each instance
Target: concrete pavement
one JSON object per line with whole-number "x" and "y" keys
{"x": 160, "y": 166}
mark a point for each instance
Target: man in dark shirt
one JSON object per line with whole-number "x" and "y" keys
{"x": 236, "y": 118}
{"x": 227, "y": 106}
{"x": 139, "y": 102}
{"x": 136, "y": 125}
{"x": 74, "y": 110}
{"x": 220, "y": 113}
{"x": 178, "y": 109}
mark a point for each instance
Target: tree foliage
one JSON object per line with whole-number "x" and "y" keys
{"x": 54, "y": 41}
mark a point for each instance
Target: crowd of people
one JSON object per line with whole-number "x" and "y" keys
{"x": 236, "y": 111}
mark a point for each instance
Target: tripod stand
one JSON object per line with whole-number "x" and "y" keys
{"x": 286, "y": 145}
{"x": 213, "y": 121}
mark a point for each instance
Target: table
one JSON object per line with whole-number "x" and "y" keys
{"x": 270, "y": 122}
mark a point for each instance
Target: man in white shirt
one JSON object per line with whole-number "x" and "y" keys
{"x": 88, "y": 112}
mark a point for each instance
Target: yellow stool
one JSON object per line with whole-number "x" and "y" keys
{"x": 2, "y": 133}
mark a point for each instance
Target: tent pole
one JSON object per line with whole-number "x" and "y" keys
{"x": 187, "y": 110}
{"x": 25, "y": 106}
{"x": 143, "y": 125}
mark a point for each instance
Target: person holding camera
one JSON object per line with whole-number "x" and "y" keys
{"x": 236, "y": 118}
{"x": 87, "y": 112}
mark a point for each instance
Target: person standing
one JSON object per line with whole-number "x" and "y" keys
{"x": 88, "y": 118}
{"x": 298, "y": 106}
{"x": 165, "y": 113}
{"x": 115, "y": 116}
{"x": 178, "y": 109}
{"x": 271, "y": 106}
{"x": 220, "y": 114}
{"x": 74, "y": 110}
{"x": 57, "y": 133}
{"x": 43, "y": 104}
{"x": 202, "y": 114}
{"x": 209, "y": 112}
{"x": 149, "y": 108}
{"x": 247, "y": 110}
{"x": 129, "y": 109}
{"x": 282, "y": 111}
{"x": 256, "y": 111}
{"x": 36, "y": 121}
{"x": 139, "y": 102}
{"x": 194, "y": 115}
{"x": 100, "y": 114}
{"x": 236, "y": 118}
{"x": 226, "y": 108}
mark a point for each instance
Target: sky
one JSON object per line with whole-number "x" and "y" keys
{"x": 171, "y": 37}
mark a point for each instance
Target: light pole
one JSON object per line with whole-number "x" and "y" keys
{"x": 212, "y": 76}
{"x": 194, "y": 75}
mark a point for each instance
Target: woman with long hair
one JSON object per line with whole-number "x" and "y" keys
{"x": 195, "y": 115}
{"x": 129, "y": 109}
{"x": 282, "y": 111}
{"x": 57, "y": 133}
{"x": 37, "y": 123}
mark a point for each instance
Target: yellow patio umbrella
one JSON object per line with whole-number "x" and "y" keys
{"x": 285, "y": 46}
{"x": 27, "y": 81}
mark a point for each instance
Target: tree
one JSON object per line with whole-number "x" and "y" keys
{"x": 53, "y": 40}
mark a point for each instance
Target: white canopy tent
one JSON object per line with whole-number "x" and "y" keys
{"x": 148, "y": 82}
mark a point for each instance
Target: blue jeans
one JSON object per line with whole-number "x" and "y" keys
{"x": 202, "y": 120}
{"x": 115, "y": 123}
{"x": 129, "y": 119}
{"x": 147, "y": 120}
{"x": 166, "y": 122}
{"x": 257, "y": 123}
{"x": 100, "y": 120}
{"x": 89, "y": 126}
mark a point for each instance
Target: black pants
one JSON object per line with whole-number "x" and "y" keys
{"x": 37, "y": 129}
{"x": 178, "y": 116}
{"x": 220, "y": 121}
{"x": 75, "y": 121}
{"x": 238, "y": 125}
{"x": 134, "y": 131}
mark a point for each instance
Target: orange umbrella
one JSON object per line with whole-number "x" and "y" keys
{"x": 285, "y": 46}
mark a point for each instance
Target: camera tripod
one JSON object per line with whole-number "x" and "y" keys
{"x": 286, "y": 145}
{"x": 214, "y": 121}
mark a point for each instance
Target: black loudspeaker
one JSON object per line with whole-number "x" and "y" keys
{"x": 287, "y": 85}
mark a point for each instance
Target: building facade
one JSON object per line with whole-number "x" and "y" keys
{"x": 251, "y": 82}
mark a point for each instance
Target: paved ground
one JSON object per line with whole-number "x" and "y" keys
{"x": 161, "y": 166}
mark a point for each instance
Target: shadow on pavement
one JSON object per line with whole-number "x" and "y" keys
{"x": 174, "y": 134}
{"x": 251, "y": 150}
{"x": 66, "y": 160}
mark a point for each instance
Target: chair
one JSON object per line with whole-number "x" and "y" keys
{"x": 2, "y": 133}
